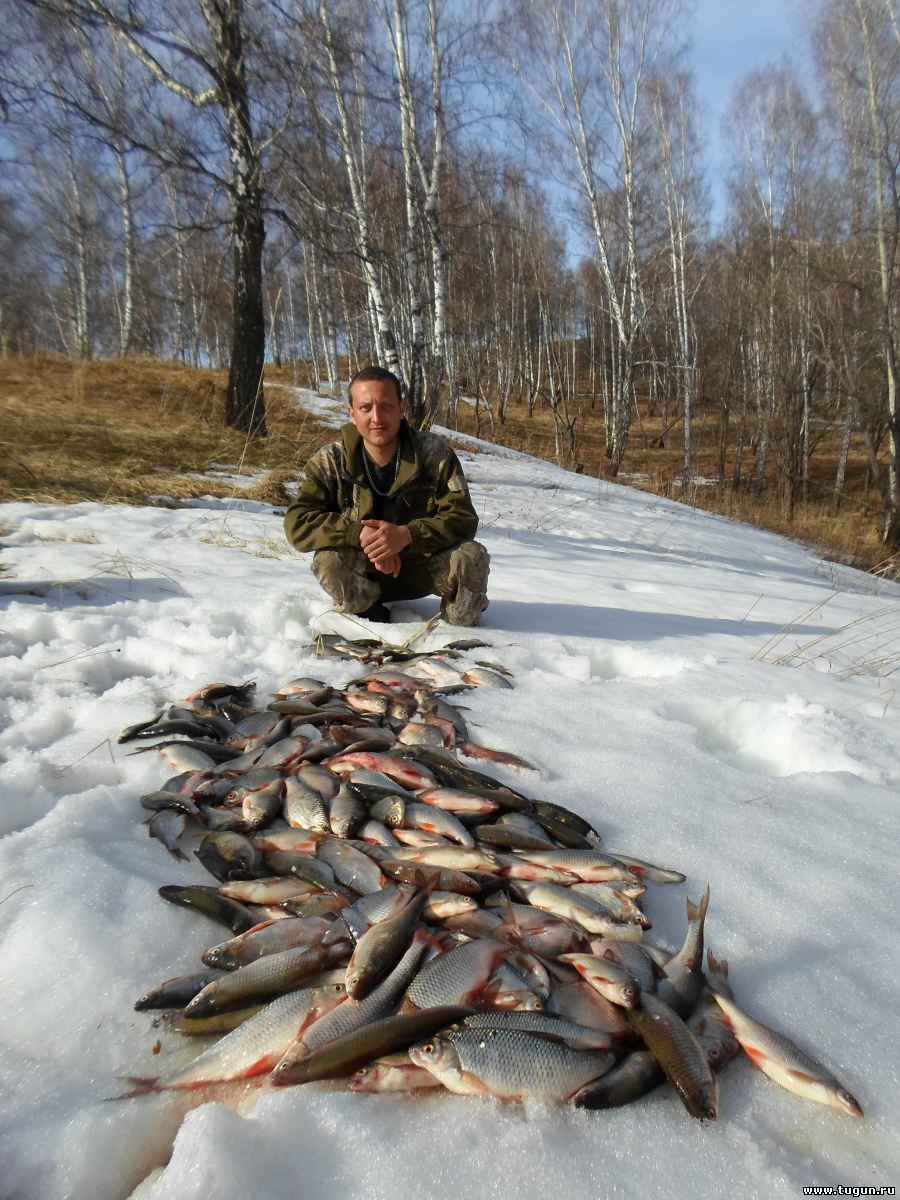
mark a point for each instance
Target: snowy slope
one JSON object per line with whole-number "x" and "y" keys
{"x": 712, "y": 697}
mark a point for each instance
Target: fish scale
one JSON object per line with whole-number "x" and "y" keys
{"x": 266, "y": 977}
{"x": 510, "y": 1064}
{"x": 375, "y": 907}
{"x": 452, "y": 978}
{"x": 577, "y": 1037}
{"x": 304, "y": 808}
{"x": 254, "y": 1047}
{"x": 351, "y": 1014}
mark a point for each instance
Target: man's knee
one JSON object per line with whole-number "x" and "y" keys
{"x": 344, "y": 576}
{"x": 471, "y": 563}
{"x": 465, "y": 596}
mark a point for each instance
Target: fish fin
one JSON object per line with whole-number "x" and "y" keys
{"x": 717, "y": 979}
{"x": 431, "y": 884}
{"x": 431, "y": 942}
{"x": 510, "y": 920}
{"x": 721, "y": 997}
{"x": 262, "y": 1066}
{"x": 756, "y": 1056}
{"x": 142, "y": 1085}
{"x": 562, "y": 972}
{"x": 657, "y": 971}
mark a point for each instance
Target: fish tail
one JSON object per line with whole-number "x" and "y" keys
{"x": 697, "y": 912}
{"x": 718, "y": 966}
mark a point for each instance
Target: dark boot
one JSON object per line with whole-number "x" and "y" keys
{"x": 377, "y": 612}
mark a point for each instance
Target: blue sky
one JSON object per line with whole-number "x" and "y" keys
{"x": 730, "y": 38}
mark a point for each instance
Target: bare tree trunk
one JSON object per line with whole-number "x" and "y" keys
{"x": 180, "y": 346}
{"x": 126, "y": 305}
{"x": 385, "y": 341}
{"x": 843, "y": 455}
{"x": 81, "y": 299}
{"x": 310, "y": 281}
{"x": 292, "y": 327}
{"x": 352, "y": 355}
{"x": 415, "y": 372}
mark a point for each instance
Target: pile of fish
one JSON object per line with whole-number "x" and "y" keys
{"x": 403, "y": 920}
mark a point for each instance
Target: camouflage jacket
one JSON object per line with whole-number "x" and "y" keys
{"x": 429, "y": 495}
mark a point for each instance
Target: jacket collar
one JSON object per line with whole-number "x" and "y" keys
{"x": 408, "y": 467}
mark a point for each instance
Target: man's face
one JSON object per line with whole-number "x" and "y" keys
{"x": 376, "y": 412}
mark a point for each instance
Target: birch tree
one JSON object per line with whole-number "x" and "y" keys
{"x": 349, "y": 99}
{"x": 587, "y": 69}
{"x": 203, "y": 64}
{"x": 859, "y": 50}
{"x": 423, "y": 162}
{"x": 679, "y": 180}
{"x": 772, "y": 133}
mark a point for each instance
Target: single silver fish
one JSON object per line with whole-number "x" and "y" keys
{"x": 393, "y": 1073}
{"x": 347, "y": 813}
{"x": 458, "y": 977}
{"x": 267, "y": 977}
{"x": 785, "y": 1063}
{"x": 435, "y": 820}
{"x": 253, "y": 1048}
{"x": 509, "y": 1064}
{"x": 270, "y": 937}
{"x": 351, "y": 866}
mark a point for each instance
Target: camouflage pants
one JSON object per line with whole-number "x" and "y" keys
{"x": 459, "y": 576}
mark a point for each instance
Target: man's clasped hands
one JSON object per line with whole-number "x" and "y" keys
{"x": 381, "y": 542}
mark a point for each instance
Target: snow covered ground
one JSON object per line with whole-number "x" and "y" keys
{"x": 712, "y": 697}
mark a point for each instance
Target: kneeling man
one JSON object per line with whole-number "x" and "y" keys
{"x": 388, "y": 512}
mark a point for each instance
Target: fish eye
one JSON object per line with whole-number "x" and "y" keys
{"x": 428, "y": 1048}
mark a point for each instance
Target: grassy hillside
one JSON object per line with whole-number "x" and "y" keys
{"x": 127, "y": 431}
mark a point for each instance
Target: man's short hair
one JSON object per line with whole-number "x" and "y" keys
{"x": 374, "y": 374}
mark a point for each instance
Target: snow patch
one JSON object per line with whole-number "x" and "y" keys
{"x": 640, "y": 634}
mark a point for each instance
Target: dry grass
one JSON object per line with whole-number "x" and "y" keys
{"x": 851, "y": 535}
{"x": 123, "y": 431}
